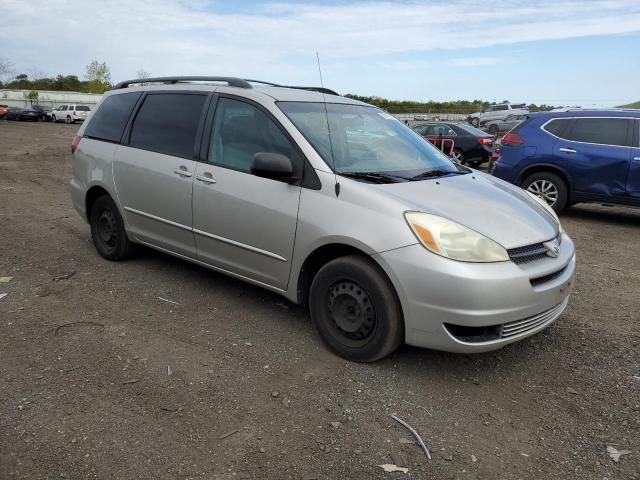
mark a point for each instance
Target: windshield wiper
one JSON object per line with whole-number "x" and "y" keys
{"x": 374, "y": 177}
{"x": 436, "y": 173}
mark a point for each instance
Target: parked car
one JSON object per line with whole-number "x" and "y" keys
{"x": 497, "y": 112}
{"x": 575, "y": 156}
{"x": 383, "y": 237}
{"x": 471, "y": 146}
{"x": 421, "y": 117}
{"x": 17, "y": 114}
{"x": 495, "y": 126}
{"x": 70, "y": 113}
{"x": 3, "y": 110}
{"x": 45, "y": 112}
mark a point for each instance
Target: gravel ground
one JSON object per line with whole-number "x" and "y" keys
{"x": 100, "y": 378}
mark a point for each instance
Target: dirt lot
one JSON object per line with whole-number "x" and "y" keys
{"x": 102, "y": 379}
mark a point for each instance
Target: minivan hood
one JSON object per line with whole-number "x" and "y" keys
{"x": 488, "y": 205}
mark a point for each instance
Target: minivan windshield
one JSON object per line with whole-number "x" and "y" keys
{"x": 367, "y": 141}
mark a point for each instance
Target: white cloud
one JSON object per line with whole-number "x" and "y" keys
{"x": 475, "y": 61}
{"x": 279, "y": 40}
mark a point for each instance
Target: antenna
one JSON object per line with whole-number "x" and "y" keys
{"x": 326, "y": 115}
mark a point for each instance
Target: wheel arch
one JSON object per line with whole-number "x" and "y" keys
{"x": 322, "y": 255}
{"x": 94, "y": 192}
{"x": 540, "y": 168}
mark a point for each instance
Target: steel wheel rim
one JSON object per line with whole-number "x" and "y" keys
{"x": 545, "y": 190}
{"x": 352, "y": 316}
{"x": 457, "y": 156}
{"x": 107, "y": 228}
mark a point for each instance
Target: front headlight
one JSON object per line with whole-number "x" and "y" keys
{"x": 449, "y": 239}
{"x": 546, "y": 206}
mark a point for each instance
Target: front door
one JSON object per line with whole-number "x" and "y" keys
{"x": 154, "y": 173}
{"x": 244, "y": 224}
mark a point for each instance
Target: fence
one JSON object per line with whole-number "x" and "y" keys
{"x": 47, "y": 98}
{"x": 448, "y": 117}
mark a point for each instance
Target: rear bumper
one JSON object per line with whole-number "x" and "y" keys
{"x": 443, "y": 300}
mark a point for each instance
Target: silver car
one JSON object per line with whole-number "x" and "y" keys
{"x": 495, "y": 126}
{"x": 328, "y": 201}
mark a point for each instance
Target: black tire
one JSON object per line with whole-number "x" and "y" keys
{"x": 69, "y": 119}
{"x": 107, "y": 230}
{"x": 355, "y": 309}
{"x": 54, "y": 119}
{"x": 493, "y": 128}
{"x": 535, "y": 183}
{"x": 475, "y": 121}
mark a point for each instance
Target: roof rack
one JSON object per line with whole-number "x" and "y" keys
{"x": 328, "y": 91}
{"x": 231, "y": 81}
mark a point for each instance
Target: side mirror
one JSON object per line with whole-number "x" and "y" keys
{"x": 272, "y": 165}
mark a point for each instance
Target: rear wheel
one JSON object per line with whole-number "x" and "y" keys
{"x": 355, "y": 310}
{"x": 68, "y": 119}
{"x": 107, "y": 230}
{"x": 550, "y": 187}
{"x": 475, "y": 121}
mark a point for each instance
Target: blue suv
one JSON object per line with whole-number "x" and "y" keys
{"x": 575, "y": 156}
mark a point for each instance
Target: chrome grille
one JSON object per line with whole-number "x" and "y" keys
{"x": 527, "y": 253}
{"x": 521, "y": 326}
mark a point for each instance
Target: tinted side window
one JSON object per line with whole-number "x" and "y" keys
{"x": 421, "y": 130}
{"x": 502, "y": 107}
{"x": 558, "y": 126}
{"x": 605, "y": 131}
{"x": 109, "y": 120}
{"x": 241, "y": 130}
{"x": 167, "y": 123}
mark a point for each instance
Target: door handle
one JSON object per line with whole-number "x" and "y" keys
{"x": 637, "y": 159}
{"x": 206, "y": 177}
{"x": 182, "y": 171}
{"x": 567, "y": 150}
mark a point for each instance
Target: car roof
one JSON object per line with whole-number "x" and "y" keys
{"x": 256, "y": 91}
{"x": 582, "y": 112}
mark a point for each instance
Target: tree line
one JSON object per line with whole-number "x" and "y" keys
{"x": 97, "y": 79}
{"x": 456, "y": 106}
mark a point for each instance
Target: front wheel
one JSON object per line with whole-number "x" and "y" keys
{"x": 107, "y": 230}
{"x": 355, "y": 309}
{"x": 475, "y": 121}
{"x": 550, "y": 187}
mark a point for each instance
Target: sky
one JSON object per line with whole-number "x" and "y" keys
{"x": 557, "y": 52}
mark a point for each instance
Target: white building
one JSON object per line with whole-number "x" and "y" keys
{"x": 48, "y": 98}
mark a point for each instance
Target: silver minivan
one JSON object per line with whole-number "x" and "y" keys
{"x": 328, "y": 201}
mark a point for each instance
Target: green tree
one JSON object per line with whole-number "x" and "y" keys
{"x": 33, "y": 96}
{"x": 98, "y": 77}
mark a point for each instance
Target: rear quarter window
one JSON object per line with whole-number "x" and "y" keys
{"x": 557, "y": 126}
{"x": 109, "y": 120}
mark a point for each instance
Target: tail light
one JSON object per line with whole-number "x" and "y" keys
{"x": 74, "y": 143}
{"x": 512, "y": 139}
{"x": 486, "y": 141}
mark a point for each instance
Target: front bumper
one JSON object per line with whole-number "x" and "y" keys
{"x": 442, "y": 298}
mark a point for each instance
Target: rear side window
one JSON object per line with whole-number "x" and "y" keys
{"x": 108, "y": 122}
{"x": 604, "y": 131}
{"x": 167, "y": 123}
{"x": 82, "y": 108}
{"x": 557, "y": 126}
